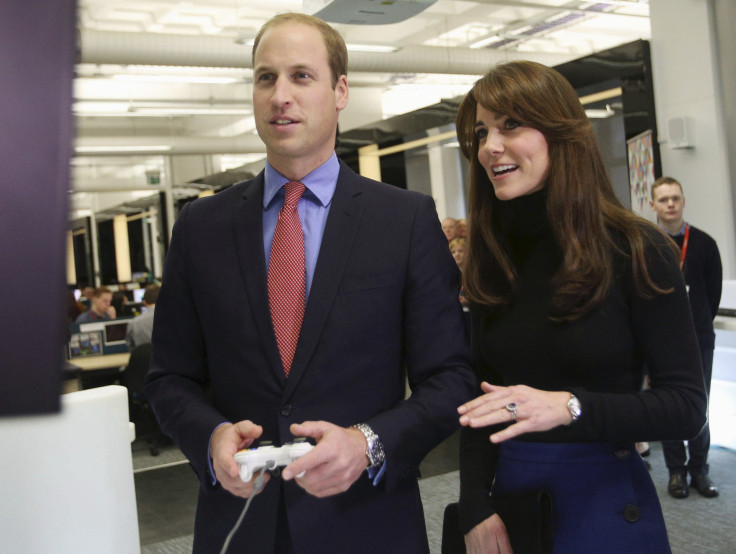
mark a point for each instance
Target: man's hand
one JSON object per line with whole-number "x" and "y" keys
{"x": 488, "y": 537}
{"x": 226, "y": 441}
{"x": 334, "y": 464}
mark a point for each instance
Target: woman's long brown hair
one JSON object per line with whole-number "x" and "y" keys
{"x": 582, "y": 207}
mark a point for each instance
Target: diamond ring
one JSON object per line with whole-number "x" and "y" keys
{"x": 512, "y": 407}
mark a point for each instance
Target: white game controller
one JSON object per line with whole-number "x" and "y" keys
{"x": 253, "y": 459}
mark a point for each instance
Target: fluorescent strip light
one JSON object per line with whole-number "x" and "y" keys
{"x": 594, "y": 113}
{"x": 108, "y": 109}
{"x": 120, "y": 148}
{"x": 194, "y": 79}
{"x": 484, "y": 42}
{"x": 371, "y": 48}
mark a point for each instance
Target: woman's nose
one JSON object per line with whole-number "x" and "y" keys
{"x": 494, "y": 142}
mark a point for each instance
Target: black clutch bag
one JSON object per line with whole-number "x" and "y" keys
{"x": 527, "y": 516}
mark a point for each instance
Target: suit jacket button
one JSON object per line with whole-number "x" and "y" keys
{"x": 631, "y": 513}
{"x": 286, "y": 410}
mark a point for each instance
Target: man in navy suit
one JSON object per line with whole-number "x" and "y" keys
{"x": 381, "y": 293}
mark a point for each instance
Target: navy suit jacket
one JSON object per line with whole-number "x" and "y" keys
{"x": 383, "y": 306}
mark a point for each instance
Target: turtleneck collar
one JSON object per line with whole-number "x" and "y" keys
{"x": 523, "y": 216}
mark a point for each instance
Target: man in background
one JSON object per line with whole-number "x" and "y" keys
{"x": 100, "y": 307}
{"x": 140, "y": 328}
{"x": 700, "y": 262}
{"x": 449, "y": 227}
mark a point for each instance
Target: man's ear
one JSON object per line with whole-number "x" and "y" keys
{"x": 341, "y": 93}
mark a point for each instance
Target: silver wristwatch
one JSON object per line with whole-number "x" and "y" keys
{"x": 573, "y": 405}
{"x": 374, "y": 452}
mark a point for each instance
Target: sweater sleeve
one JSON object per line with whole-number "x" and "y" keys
{"x": 478, "y": 455}
{"x": 674, "y": 408}
{"x": 714, "y": 278}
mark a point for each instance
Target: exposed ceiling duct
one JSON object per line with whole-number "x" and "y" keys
{"x": 109, "y": 47}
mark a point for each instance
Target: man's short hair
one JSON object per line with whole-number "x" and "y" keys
{"x": 337, "y": 52}
{"x": 665, "y": 181}
{"x": 99, "y": 291}
{"x": 150, "y": 295}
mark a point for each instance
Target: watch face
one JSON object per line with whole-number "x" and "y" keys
{"x": 376, "y": 452}
{"x": 574, "y": 407}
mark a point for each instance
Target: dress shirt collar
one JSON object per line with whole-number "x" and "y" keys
{"x": 320, "y": 183}
{"x": 679, "y": 233}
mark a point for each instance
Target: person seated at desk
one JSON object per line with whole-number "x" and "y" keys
{"x": 119, "y": 300}
{"x": 141, "y": 327}
{"x": 100, "y": 308}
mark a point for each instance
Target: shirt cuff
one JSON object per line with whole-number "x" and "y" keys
{"x": 377, "y": 473}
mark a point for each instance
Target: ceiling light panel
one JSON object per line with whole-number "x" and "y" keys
{"x": 463, "y": 35}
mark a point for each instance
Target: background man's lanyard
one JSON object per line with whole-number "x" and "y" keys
{"x": 683, "y": 251}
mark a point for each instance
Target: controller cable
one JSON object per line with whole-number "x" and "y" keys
{"x": 257, "y": 486}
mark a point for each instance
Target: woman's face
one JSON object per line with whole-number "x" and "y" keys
{"x": 458, "y": 252}
{"x": 514, "y": 156}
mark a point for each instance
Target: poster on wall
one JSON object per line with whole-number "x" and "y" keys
{"x": 641, "y": 173}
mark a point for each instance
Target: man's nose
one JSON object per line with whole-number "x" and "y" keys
{"x": 281, "y": 92}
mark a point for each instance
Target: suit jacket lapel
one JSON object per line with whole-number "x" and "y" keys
{"x": 334, "y": 253}
{"x": 248, "y": 225}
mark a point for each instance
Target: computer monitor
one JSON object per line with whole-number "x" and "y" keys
{"x": 115, "y": 332}
{"x": 138, "y": 295}
{"x": 112, "y": 331}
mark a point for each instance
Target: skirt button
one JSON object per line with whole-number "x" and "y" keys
{"x": 631, "y": 513}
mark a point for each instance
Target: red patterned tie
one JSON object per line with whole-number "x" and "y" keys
{"x": 286, "y": 275}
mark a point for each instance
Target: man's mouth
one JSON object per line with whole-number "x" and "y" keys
{"x": 503, "y": 169}
{"x": 282, "y": 121}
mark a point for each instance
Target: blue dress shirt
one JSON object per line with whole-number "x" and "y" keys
{"x": 313, "y": 208}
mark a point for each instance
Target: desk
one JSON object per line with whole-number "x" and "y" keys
{"x": 108, "y": 361}
{"x": 98, "y": 371}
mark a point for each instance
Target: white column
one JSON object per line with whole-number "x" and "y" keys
{"x": 446, "y": 177}
{"x": 687, "y": 83}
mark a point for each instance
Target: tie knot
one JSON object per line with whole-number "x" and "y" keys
{"x": 294, "y": 191}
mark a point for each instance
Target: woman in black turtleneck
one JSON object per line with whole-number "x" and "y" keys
{"x": 571, "y": 295}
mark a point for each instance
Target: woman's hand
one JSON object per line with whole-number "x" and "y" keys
{"x": 530, "y": 409}
{"x": 488, "y": 537}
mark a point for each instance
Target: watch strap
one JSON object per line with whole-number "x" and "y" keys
{"x": 374, "y": 450}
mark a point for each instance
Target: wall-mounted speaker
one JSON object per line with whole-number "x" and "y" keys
{"x": 680, "y": 133}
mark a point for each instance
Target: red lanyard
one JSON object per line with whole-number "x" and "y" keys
{"x": 683, "y": 251}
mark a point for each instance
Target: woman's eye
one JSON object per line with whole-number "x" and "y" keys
{"x": 480, "y": 134}
{"x": 511, "y": 123}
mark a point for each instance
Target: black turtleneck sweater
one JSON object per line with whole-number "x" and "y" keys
{"x": 599, "y": 357}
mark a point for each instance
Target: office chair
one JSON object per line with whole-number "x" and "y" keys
{"x": 141, "y": 413}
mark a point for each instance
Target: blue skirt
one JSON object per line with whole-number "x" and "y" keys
{"x": 603, "y": 499}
